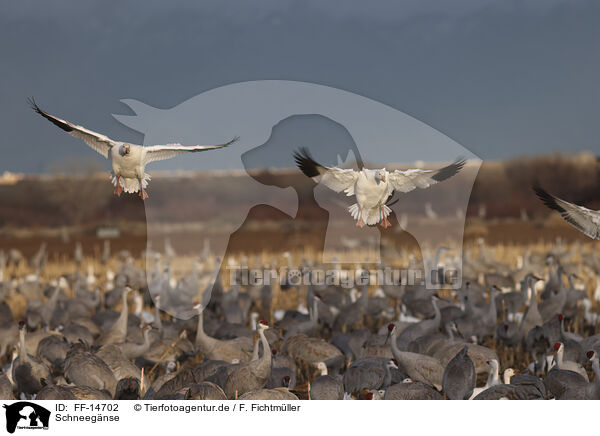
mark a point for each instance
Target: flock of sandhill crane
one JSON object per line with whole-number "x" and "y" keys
{"x": 510, "y": 332}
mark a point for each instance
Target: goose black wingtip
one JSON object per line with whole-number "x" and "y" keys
{"x": 450, "y": 170}
{"x": 306, "y": 163}
{"x": 548, "y": 199}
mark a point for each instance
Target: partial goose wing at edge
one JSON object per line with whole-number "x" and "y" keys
{"x": 164, "y": 152}
{"x": 336, "y": 179}
{"x": 98, "y": 142}
{"x": 406, "y": 181}
{"x": 583, "y": 219}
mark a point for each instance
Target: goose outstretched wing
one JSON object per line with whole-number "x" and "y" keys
{"x": 163, "y": 152}
{"x": 97, "y": 141}
{"x": 336, "y": 179}
{"x": 406, "y": 181}
{"x": 583, "y": 219}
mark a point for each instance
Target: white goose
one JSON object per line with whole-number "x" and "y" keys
{"x": 372, "y": 187}
{"x": 583, "y": 219}
{"x": 128, "y": 160}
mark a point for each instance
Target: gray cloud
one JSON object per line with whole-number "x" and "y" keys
{"x": 501, "y": 78}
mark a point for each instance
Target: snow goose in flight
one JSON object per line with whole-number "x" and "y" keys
{"x": 583, "y": 219}
{"x": 128, "y": 160}
{"x": 372, "y": 187}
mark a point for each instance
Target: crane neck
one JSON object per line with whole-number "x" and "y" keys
{"x": 492, "y": 305}
{"x": 147, "y": 337}
{"x": 266, "y": 357}
{"x": 138, "y": 306}
{"x": 532, "y": 299}
{"x": 200, "y": 335}
{"x": 448, "y": 327}
{"x": 596, "y": 369}
{"x": 315, "y": 311}
{"x": 559, "y": 357}
{"x": 22, "y": 350}
{"x": 364, "y": 296}
{"x": 122, "y": 320}
{"x": 399, "y": 355}
{"x": 494, "y": 377}
{"x": 54, "y": 296}
{"x": 157, "y": 319}
{"x": 438, "y": 315}
{"x": 255, "y": 350}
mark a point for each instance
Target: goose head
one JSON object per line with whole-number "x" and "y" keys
{"x": 380, "y": 176}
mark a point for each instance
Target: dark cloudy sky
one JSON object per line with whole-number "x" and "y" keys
{"x": 503, "y": 78}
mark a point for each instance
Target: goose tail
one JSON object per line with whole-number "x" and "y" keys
{"x": 370, "y": 216}
{"x": 130, "y": 185}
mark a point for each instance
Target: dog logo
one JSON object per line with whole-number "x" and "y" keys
{"x": 26, "y": 415}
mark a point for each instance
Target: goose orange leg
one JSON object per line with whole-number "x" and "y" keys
{"x": 142, "y": 194}
{"x": 118, "y": 189}
{"x": 360, "y": 223}
{"x": 386, "y": 223}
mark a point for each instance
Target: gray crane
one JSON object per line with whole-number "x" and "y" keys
{"x": 86, "y": 369}
{"x": 132, "y": 350}
{"x": 205, "y": 391}
{"x": 419, "y": 367}
{"x": 252, "y": 375}
{"x": 589, "y": 391}
{"x": 238, "y": 349}
{"x": 326, "y": 386}
{"x": 117, "y": 332}
{"x": 28, "y": 372}
{"x": 370, "y": 373}
{"x": 532, "y": 316}
{"x": 458, "y": 380}
{"x": 422, "y": 328}
{"x": 312, "y": 351}
{"x": 412, "y": 391}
